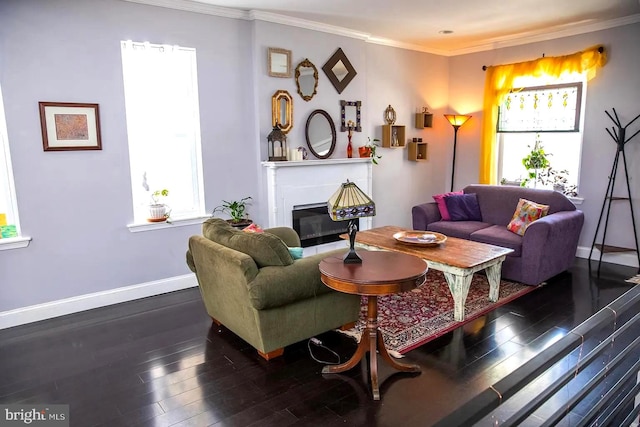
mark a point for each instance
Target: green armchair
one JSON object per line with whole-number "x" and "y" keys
{"x": 251, "y": 284}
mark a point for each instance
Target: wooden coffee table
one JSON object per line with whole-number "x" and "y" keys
{"x": 381, "y": 273}
{"x": 458, "y": 259}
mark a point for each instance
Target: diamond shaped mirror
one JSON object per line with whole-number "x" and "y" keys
{"x": 339, "y": 70}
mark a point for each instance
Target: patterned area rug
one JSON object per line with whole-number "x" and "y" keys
{"x": 634, "y": 279}
{"x": 413, "y": 318}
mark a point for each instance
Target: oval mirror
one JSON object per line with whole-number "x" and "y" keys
{"x": 321, "y": 134}
{"x": 306, "y": 79}
{"x": 282, "y": 110}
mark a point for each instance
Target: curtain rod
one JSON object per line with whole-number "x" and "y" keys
{"x": 600, "y": 49}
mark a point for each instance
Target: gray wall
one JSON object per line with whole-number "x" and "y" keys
{"x": 617, "y": 85}
{"x": 76, "y": 205}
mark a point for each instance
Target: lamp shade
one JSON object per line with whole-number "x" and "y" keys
{"x": 457, "y": 120}
{"x": 350, "y": 202}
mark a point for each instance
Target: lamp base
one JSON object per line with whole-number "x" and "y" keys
{"x": 352, "y": 257}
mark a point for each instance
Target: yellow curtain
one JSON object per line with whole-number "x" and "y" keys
{"x": 499, "y": 81}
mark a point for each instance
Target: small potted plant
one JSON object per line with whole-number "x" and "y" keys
{"x": 237, "y": 210}
{"x": 158, "y": 211}
{"x": 369, "y": 150}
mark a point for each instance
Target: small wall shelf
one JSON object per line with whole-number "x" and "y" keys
{"x": 387, "y": 136}
{"x": 418, "y": 151}
{"x": 424, "y": 120}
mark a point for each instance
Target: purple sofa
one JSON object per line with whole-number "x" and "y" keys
{"x": 548, "y": 246}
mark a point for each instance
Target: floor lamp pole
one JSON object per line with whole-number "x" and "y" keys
{"x": 453, "y": 166}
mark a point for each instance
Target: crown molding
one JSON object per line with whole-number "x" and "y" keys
{"x": 196, "y": 6}
{"x": 306, "y": 24}
{"x": 518, "y": 39}
{"x": 551, "y": 33}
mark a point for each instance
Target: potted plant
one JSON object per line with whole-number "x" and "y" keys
{"x": 534, "y": 162}
{"x": 369, "y": 150}
{"x": 237, "y": 210}
{"x": 159, "y": 211}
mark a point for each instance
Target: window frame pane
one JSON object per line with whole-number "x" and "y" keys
{"x": 577, "y": 113}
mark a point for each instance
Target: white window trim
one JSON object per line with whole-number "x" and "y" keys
{"x": 154, "y": 226}
{"x": 14, "y": 243}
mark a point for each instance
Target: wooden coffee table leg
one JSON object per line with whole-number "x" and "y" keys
{"x": 459, "y": 287}
{"x": 493, "y": 275}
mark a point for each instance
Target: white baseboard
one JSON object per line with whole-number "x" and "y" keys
{"x": 623, "y": 258}
{"x": 34, "y": 313}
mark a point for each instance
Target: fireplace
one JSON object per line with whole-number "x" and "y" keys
{"x": 314, "y": 225}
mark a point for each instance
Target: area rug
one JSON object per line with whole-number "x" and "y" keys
{"x": 634, "y": 279}
{"x": 411, "y": 319}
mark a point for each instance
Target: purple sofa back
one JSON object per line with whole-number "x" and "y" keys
{"x": 498, "y": 202}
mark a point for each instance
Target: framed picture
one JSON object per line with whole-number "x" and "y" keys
{"x": 70, "y": 126}
{"x": 279, "y": 62}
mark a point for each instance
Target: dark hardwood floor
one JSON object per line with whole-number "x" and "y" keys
{"x": 160, "y": 362}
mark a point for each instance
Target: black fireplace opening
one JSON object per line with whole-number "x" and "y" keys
{"x": 314, "y": 225}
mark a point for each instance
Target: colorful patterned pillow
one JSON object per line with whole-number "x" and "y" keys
{"x": 442, "y": 206}
{"x": 253, "y": 228}
{"x": 526, "y": 212}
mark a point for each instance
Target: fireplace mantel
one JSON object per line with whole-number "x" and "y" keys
{"x": 307, "y": 182}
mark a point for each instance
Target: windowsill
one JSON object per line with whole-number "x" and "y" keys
{"x": 14, "y": 243}
{"x": 150, "y": 226}
{"x": 576, "y": 200}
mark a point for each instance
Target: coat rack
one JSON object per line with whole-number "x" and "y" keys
{"x": 618, "y": 134}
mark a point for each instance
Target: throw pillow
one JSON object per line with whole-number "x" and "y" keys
{"x": 253, "y": 228}
{"x": 265, "y": 248}
{"x": 442, "y": 206}
{"x": 296, "y": 253}
{"x": 463, "y": 207}
{"x": 526, "y": 212}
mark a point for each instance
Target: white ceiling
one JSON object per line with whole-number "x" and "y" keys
{"x": 476, "y": 25}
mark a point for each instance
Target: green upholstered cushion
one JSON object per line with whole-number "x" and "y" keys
{"x": 265, "y": 248}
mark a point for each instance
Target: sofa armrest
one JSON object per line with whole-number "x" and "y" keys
{"x": 287, "y": 234}
{"x": 550, "y": 243}
{"x": 425, "y": 214}
{"x": 276, "y": 286}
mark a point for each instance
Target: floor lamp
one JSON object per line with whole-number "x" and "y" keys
{"x": 456, "y": 121}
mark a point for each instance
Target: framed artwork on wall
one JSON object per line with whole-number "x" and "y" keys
{"x": 70, "y": 126}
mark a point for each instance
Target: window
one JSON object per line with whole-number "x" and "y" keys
{"x": 163, "y": 126}
{"x": 550, "y": 115}
{"x": 9, "y": 223}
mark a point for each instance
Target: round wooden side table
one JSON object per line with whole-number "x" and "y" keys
{"x": 381, "y": 273}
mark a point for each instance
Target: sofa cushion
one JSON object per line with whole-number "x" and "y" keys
{"x": 499, "y": 236}
{"x": 526, "y": 212}
{"x": 442, "y": 206}
{"x": 463, "y": 207}
{"x": 265, "y": 248}
{"x": 459, "y": 229}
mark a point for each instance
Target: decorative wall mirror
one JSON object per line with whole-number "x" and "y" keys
{"x": 306, "y": 79}
{"x": 350, "y": 114}
{"x": 339, "y": 70}
{"x": 321, "y": 134}
{"x": 279, "y": 62}
{"x": 282, "y": 110}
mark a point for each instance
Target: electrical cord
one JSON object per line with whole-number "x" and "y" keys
{"x": 315, "y": 341}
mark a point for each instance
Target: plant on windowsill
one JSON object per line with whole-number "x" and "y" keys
{"x": 237, "y": 210}
{"x": 369, "y": 150}
{"x": 159, "y": 211}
